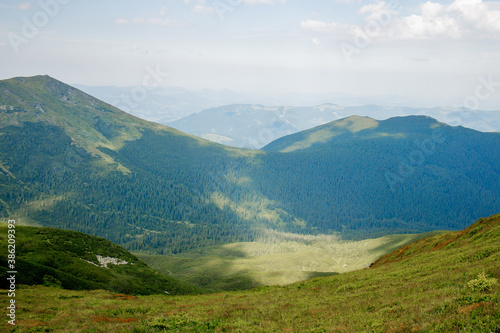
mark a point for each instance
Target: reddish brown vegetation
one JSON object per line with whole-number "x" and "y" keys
{"x": 435, "y": 243}
{"x": 469, "y": 308}
{"x": 124, "y": 297}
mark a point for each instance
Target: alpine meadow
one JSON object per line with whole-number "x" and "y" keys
{"x": 250, "y": 166}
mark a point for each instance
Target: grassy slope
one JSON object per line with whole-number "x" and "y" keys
{"x": 322, "y": 134}
{"x": 480, "y": 232}
{"x": 58, "y": 257}
{"x": 426, "y": 292}
{"x": 281, "y": 261}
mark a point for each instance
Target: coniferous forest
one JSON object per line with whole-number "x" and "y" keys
{"x": 70, "y": 161}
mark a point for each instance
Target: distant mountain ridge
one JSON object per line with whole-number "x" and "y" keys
{"x": 354, "y": 127}
{"x": 167, "y": 104}
{"x": 68, "y": 160}
{"x": 254, "y": 126}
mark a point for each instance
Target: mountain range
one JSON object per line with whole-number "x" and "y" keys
{"x": 235, "y": 119}
{"x": 167, "y": 104}
{"x": 254, "y": 126}
{"x": 71, "y": 161}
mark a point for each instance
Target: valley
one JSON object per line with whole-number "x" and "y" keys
{"x": 71, "y": 161}
{"x": 426, "y": 291}
{"x": 199, "y": 236}
{"x": 281, "y": 260}
{"x": 250, "y": 166}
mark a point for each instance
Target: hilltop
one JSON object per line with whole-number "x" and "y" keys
{"x": 65, "y": 154}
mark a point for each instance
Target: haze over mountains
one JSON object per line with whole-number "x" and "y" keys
{"x": 71, "y": 161}
{"x": 167, "y": 104}
{"x": 254, "y": 126}
{"x": 236, "y": 119}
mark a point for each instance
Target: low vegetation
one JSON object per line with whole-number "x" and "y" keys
{"x": 423, "y": 290}
{"x": 275, "y": 259}
{"x": 72, "y": 260}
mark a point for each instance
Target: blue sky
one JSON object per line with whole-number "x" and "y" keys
{"x": 440, "y": 51}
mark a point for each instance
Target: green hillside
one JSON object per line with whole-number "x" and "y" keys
{"x": 70, "y": 161}
{"x": 404, "y": 173}
{"x": 484, "y": 232}
{"x": 451, "y": 288}
{"x": 72, "y": 260}
{"x": 331, "y": 132}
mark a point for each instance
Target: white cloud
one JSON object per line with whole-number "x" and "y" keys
{"x": 460, "y": 19}
{"x": 318, "y": 43}
{"x": 483, "y": 16}
{"x": 435, "y": 20}
{"x": 22, "y": 6}
{"x": 220, "y": 7}
{"x": 201, "y": 7}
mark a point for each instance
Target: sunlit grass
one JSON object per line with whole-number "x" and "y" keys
{"x": 425, "y": 291}
{"x": 276, "y": 259}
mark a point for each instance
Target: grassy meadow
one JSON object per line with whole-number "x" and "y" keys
{"x": 431, "y": 285}
{"x": 276, "y": 259}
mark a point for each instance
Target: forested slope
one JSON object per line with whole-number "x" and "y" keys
{"x": 406, "y": 173}
{"x": 70, "y": 161}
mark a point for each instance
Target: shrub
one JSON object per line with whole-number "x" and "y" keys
{"x": 50, "y": 281}
{"x": 482, "y": 283}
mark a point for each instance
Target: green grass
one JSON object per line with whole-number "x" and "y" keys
{"x": 68, "y": 259}
{"x": 425, "y": 292}
{"x": 324, "y": 133}
{"x": 279, "y": 259}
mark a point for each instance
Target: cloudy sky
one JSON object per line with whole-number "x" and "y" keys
{"x": 443, "y": 52}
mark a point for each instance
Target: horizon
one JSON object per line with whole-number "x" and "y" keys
{"x": 438, "y": 53}
{"x": 391, "y": 105}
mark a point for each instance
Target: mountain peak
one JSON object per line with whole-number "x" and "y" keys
{"x": 359, "y": 126}
{"x": 90, "y": 123}
{"x": 322, "y": 134}
{"x": 36, "y": 79}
